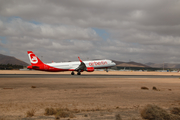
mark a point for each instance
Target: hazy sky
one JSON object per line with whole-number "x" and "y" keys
{"x": 61, "y": 30}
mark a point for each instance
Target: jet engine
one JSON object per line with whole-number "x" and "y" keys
{"x": 90, "y": 69}
{"x": 29, "y": 67}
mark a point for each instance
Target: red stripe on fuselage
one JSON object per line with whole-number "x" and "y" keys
{"x": 44, "y": 67}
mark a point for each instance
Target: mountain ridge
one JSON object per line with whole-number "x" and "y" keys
{"x": 163, "y": 65}
{"x": 4, "y": 59}
{"x": 130, "y": 64}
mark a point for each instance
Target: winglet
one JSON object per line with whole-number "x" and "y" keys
{"x": 80, "y": 59}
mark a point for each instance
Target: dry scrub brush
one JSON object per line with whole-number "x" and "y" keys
{"x": 153, "y": 112}
{"x": 118, "y": 117}
{"x": 144, "y": 88}
{"x": 154, "y": 88}
{"x": 33, "y": 86}
{"x": 30, "y": 113}
{"x": 175, "y": 110}
{"x": 50, "y": 111}
{"x": 64, "y": 114}
{"x": 59, "y": 112}
{"x": 2, "y": 118}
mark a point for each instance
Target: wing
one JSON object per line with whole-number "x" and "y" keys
{"x": 82, "y": 66}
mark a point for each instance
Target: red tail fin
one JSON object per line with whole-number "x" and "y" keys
{"x": 34, "y": 59}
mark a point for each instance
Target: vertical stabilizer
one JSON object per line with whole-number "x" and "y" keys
{"x": 34, "y": 59}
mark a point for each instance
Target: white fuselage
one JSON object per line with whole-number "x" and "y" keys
{"x": 73, "y": 65}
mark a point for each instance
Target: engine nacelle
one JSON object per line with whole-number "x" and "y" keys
{"x": 33, "y": 67}
{"x": 90, "y": 69}
{"x": 29, "y": 67}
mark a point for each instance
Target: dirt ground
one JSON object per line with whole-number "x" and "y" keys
{"x": 94, "y": 98}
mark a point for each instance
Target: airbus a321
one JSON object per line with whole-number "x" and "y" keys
{"x": 78, "y": 66}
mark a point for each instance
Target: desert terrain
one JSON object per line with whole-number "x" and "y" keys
{"x": 89, "y": 73}
{"x": 89, "y": 98}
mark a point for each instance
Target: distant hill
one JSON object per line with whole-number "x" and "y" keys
{"x": 11, "y": 60}
{"x": 165, "y": 65}
{"x": 130, "y": 64}
{"x": 117, "y": 62}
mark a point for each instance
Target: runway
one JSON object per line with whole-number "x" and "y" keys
{"x": 83, "y": 76}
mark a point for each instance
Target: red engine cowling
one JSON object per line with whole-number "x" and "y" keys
{"x": 29, "y": 67}
{"x": 90, "y": 69}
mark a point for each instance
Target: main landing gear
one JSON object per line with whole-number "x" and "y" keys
{"x": 79, "y": 73}
{"x": 72, "y": 73}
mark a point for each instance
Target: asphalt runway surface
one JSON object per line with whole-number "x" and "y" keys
{"x": 83, "y": 76}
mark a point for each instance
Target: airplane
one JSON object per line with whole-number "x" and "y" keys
{"x": 78, "y": 66}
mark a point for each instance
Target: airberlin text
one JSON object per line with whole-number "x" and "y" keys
{"x": 97, "y": 63}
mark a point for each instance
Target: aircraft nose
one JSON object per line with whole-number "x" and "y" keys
{"x": 113, "y": 63}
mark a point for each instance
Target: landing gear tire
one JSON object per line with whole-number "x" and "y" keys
{"x": 72, "y": 73}
{"x": 79, "y": 73}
